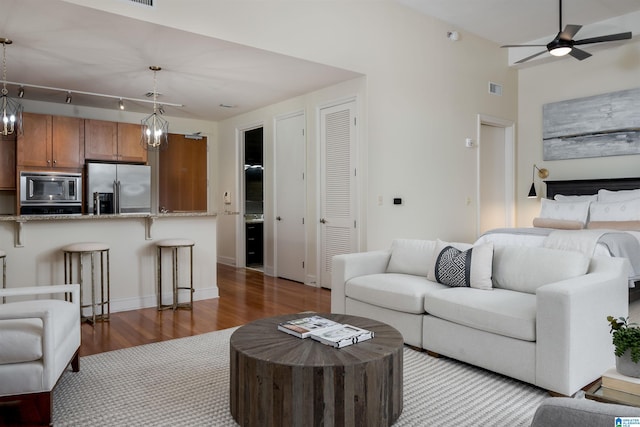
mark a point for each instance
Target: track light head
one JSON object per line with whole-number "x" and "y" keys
{"x": 68, "y": 100}
{"x": 121, "y": 104}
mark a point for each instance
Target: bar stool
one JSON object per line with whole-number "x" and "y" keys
{"x": 3, "y": 255}
{"x": 92, "y": 249}
{"x": 174, "y": 245}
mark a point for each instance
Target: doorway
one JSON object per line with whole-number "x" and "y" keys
{"x": 496, "y": 174}
{"x": 254, "y": 198}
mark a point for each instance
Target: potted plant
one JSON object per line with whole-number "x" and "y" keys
{"x": 626, "y": 339}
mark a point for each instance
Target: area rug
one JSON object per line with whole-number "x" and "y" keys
{"x": 185, "y": 382}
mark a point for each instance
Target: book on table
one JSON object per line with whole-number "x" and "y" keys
{"x": 303, "y": 327}
{"x": 611, "y": 379}
{"x": 620, "y": 396}
{"x": 341, "y": 335}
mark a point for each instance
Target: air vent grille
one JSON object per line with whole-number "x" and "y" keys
{"x": 143, "y": 2}
{"x": 495, "y": 89}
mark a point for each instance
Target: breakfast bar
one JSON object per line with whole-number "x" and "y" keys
{"x": 34, "y": 257}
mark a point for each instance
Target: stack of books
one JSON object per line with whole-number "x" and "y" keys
{"x": 621, "y": 388}
{"x": 325, "y": 331}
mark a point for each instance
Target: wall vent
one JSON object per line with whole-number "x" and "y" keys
{"x": 495, "y": 89}
{"x": 143, "y": 2}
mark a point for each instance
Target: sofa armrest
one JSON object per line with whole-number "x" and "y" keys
{"x": 73, "y": 289}
{"x": 573, "y": 343}
{"x": 562, "y": 411}
{"x": 347, "y": 266}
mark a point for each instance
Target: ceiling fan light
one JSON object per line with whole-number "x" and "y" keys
{"x": 560, "y": 51}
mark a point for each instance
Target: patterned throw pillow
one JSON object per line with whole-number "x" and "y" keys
{"x": 470, "y": 268}
{"x": 453, "y": 267}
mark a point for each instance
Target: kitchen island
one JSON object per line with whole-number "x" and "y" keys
{"x": 34, "y": 257}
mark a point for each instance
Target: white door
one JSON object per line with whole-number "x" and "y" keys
{"x": 290, "y": 197}
{"x": 496, "y": 174}
{"x": 338, "y": 189}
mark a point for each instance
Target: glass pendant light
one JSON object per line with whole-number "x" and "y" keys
{"x": 10, "y": 109}
{"x": 155, "y": 129}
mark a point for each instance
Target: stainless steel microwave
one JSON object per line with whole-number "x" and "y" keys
{"x": 50, "y": 192}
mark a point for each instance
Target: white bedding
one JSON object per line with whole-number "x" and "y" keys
{"x": 538, "y": 237}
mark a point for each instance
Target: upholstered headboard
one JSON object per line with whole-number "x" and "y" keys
{"x": 590, "y": 186}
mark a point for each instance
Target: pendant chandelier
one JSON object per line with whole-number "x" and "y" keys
{"x": 10, "y": 109}
{"x": 155, "y": 129}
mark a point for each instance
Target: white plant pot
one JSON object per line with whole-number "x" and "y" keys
{"x": 626, "y": 366}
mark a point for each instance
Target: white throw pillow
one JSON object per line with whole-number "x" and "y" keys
{"x": 466, "y": 267}
{"x": 411, "y": 256}
{"x": 563, "y": 198}
{"x": 571, "y": 211}
{"x": 628, "y": 210}
{"x": 617, "y": 196}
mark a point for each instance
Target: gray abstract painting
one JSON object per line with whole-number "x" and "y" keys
{"x": 595, "y": 126}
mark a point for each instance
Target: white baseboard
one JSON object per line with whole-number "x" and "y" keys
{"x": 128, "y": 304}
{"x": 227, "y": 260}
{"x": 311, "y": 280}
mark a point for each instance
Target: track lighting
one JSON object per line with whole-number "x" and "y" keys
{"x": 121, "y": 104}
{"x": 21, "y": 92}
{"x": 68, "y": 100}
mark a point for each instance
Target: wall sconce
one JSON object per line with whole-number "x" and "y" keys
{"x": 542, "y": 174}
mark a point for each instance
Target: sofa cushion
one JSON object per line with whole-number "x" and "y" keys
{"x": 411, "y": 256}
{"x": 470, "y": 268}
{"x": 500, "y": 311}
{"x": 22, "y": 338}
{"x": 525, "y": 269}
{"x": 401, "y": 292}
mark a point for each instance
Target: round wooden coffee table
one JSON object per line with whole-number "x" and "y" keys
{"x": 278, "y": 379}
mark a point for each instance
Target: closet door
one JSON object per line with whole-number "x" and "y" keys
{"x": 338, "y": 189}
{"x": 290, "y": 197}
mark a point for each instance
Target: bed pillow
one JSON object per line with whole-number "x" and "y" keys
{"x": 615, "y": 225}
{"x": 570, "y": 211}
{"x": 628, "y": 210}
{"x": 455, "y": 267}
{"x": 560, "y": 224}
{"x": 617, "y": 196}
{"x": 563, "y": 198}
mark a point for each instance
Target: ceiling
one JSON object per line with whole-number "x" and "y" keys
{"x": 71, "y": 47}
{"x": 66, "y": 46}
{"x": 521, "y": 21}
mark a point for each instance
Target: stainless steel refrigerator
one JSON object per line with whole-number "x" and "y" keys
{"x": 128, "y": 186}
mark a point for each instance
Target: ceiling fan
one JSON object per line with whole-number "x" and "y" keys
{"x": 564, "y": 44}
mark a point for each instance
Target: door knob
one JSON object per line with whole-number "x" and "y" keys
{"x": 323, "y": 221}
{"x": 279, "y": 218}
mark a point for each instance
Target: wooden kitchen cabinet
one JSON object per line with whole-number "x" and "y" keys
{"x": 100, "y": 140}
{"x": 8, "y": 162}
{"x": 50, "y": 142}
{"x": 130, "y": 148}
{"x": 113, "y": 141}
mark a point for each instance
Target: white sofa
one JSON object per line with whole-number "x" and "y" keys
{"x": 543, "y": 321}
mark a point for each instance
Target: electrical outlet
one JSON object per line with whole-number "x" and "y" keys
{"x": 379, "y": 200}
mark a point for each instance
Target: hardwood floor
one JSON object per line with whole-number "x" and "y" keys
{"x": 245, "y": 295}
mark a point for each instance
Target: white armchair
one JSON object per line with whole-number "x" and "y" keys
{"x": 38, "y": 340}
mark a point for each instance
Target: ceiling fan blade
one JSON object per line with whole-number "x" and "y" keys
{"x": 522, "y": 45}
{"x": 609, "y": 38}
{"x": 569, "y": 31}
{"x": 530, "y": 57}
{"x": 579, "y": 54}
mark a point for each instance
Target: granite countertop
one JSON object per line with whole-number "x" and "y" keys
{"x": 24, "y": 218}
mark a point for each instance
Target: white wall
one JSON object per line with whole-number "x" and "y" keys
{"x": 228, "y": 170}
{"x": 608, "y": 70}
{"x": 423, "y": 94}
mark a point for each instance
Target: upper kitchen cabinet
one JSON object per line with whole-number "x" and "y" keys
{"x": 130, "y": 148}
{"x": 114, "y": 142}
{"x": 8, "y": 162}
{"x": 50, "y": 142}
